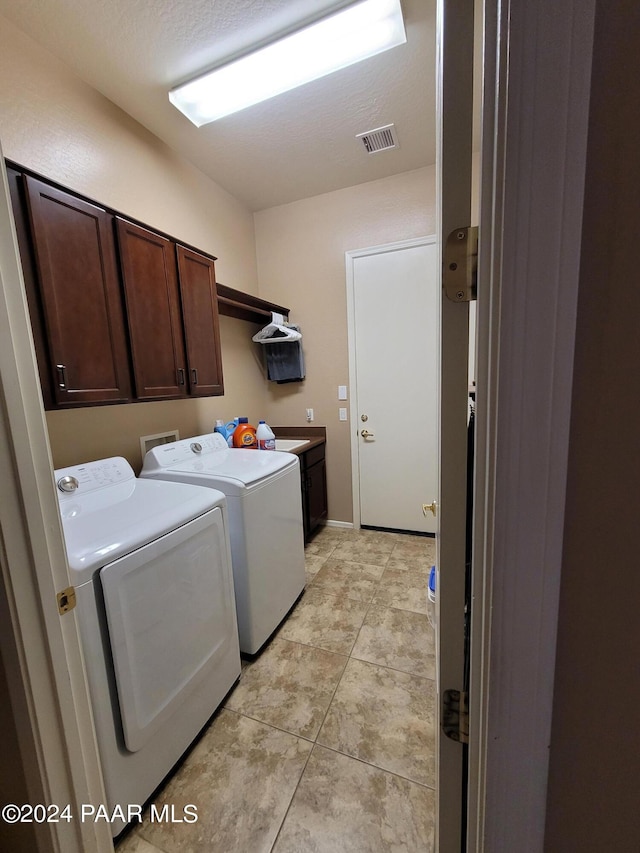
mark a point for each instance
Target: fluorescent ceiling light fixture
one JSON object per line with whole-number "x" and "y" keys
{"x": 355, "y": 33}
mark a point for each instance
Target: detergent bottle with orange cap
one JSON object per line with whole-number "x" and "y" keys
{"x": 244, "y": 435}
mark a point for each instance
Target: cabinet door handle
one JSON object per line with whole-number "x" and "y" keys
{"x": 181, "y": 376}
{"x": 194, "y": 375}
{"x": 62, "y": 376}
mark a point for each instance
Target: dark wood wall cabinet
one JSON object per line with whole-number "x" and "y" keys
{"x": 198, "y": 294}
{"x": 150, "y": 284}
{"x": 120, "y": 312}
{"x": 172, "y": 310}
{"x": 81, "y": 304}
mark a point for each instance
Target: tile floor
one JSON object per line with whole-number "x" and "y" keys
{"x": 326, "y": 744}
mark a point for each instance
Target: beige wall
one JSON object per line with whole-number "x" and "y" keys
{"x": 55, "y": 124}
{"x": 594, "y": 769}
{"x": 301, "y": 264}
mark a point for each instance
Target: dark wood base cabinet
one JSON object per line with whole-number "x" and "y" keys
{"x": 313, "y": 476}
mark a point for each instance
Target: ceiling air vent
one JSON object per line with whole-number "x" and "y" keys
{"x": 380, "y": 139}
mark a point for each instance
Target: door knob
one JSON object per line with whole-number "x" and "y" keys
{"x": 366, "y": 434}
{"x": 432, "y": 507}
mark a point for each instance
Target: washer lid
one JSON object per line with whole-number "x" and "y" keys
{"x": 110, "y": 514}
{"x": 205, "y": 456}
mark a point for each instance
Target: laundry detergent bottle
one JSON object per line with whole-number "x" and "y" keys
{"x": 244, "y": 435}
{"x": 221, "y": 428}
{"x": 230, "y": 428}
{"x": 265, "y": 436}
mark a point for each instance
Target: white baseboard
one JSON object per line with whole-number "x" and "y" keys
{"x": 330, "y": 523}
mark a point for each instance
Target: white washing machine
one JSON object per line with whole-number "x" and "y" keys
{"x": 151, "y": 565}
{"x": 264, "y": 500}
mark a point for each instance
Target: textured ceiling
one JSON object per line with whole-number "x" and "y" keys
{"x": 296, "y": 145}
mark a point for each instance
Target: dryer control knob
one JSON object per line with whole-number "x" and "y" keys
{"x": 68, "y": 484}
{"x": 196, "y": 447}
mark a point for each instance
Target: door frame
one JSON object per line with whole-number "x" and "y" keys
{"x": 49, "y": 676}
{"x": 350, "y": 257}
{"x": 40, "y": 648}
{"x": 532, "y": 174}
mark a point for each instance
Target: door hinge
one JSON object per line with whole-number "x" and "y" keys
{"x": 460, "y": 264}
{"x": 66, "y": 600}
{"x": 455, "y": 715}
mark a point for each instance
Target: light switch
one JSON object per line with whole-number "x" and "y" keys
{"x": 309, "y": 415}
{"x": 342, "y": 414}
{"x": 342, "y": 392}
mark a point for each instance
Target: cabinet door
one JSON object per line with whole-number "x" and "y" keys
{"x": 197, "y": 280}
{"x": 18, "y": 191}
{"x": 153, "y": 309}
{"x": 81, "y": 299}
{"x": 316, "y": 494}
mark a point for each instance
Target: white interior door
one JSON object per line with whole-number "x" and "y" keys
{"x": 394, "y": 312}
{"x": 454, "y": 151}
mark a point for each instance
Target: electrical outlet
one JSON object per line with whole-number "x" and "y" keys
{"x": 342, "y": 392}
{"x": 342, "y": 413}
{"x": 309, "y": 415}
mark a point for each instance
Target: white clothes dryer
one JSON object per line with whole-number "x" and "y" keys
{"x": 264, "y": 500}
{"x": 151, "y": 566}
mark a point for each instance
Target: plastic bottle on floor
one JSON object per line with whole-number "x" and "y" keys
{"x": 244, "y": 435}
{"x": 265, "y": 436}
